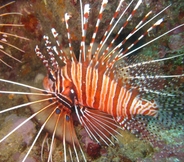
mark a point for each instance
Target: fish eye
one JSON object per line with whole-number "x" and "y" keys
{"x": 72, "y": 91}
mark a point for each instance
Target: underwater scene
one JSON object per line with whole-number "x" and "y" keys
{"x": 92, "y": 81}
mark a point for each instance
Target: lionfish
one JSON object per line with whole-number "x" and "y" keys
{"x": 4, "y": 43}
{"x": 106, "y": 89}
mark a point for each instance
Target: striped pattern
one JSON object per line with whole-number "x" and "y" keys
{"x": 99, "y": 87}
{"x": 109, "y": 30}
{"x": 90, "y": 82}
{"x": 92, "y": 87}
{"x": 95, "y": 87}
{"x": 103, "y": 89}
{"x": 103, "y": 5}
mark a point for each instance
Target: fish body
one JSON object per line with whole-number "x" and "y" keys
{"x": 105, "y": 90}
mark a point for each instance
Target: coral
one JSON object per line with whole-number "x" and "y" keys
{"x": 93, "y": 150}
